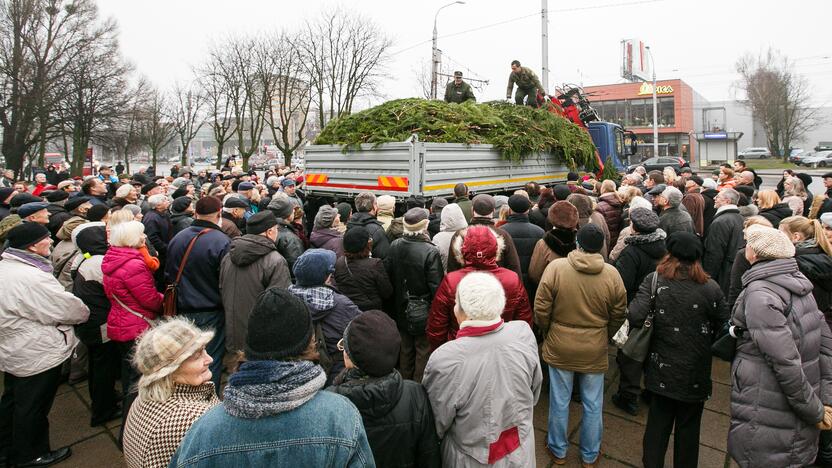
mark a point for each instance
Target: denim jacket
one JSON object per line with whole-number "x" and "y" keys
{"x": 326, "y": 431}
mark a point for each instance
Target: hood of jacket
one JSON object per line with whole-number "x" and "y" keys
{"x": 65, "y": 232}
{"x": 782, "y": 272}
{"x": 652, "y": 244}
{"x": 584, "y": 262}
{"x": 560, "y": 241}
{"x": 319, "y": 237}
{"x": 116, "y": 257}
{"x": 452, "y": 219}
{"x": 814, "y": 263}
{"x": 362, "y": 219}
{"x": 478, "y": 247}
{"x": 781, "y": 210}
{"x": 319, "y": 299}
{"x": 248, "y": 248}
{"x": 373, "y": 396}
{"x": 612, "y": 199}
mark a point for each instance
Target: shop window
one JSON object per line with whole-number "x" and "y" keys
{"x": 638, "y": 113}
{"x": 666, "y": 112}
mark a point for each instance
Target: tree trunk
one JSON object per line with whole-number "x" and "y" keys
{"x": 219, "y": 155}
{"x": 153, "y": 158}
{"x": 287, "y": 157}
{"x": 184, "y": 158}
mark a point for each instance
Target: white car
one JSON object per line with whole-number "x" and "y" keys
{"x": 754, "y": 153}
{"x": 817, "y": 159}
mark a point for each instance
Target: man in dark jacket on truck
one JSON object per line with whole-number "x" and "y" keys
{"x": 527, "y": 83}
{"x": 366, "y": 209}
{"x": 458, "y": 91}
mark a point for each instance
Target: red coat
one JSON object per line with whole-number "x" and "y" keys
{"x": 479, "y": 249}
{"x": 128, "y": 278}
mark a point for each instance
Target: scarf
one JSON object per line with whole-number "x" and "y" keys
{"x": 149, "y": 260}
{"x": 478, "y": 327}
{"x": 33, "y": 259}
{"x": 806, "y": 244}
{"x": 316, "y": 297}
{"x": 267, "y": 388}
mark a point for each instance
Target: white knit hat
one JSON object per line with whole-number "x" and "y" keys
{"x": 481, "y": 296}
{"x": 768, "y": 243}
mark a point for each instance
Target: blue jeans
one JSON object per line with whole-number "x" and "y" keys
{"x": 216, "y": 347}
{"x": 592, "y": 425}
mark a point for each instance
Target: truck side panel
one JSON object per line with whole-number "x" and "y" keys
{"x": 332, "y": 172}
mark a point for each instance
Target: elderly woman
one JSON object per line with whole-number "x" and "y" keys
{"x": 36, "y": 337}
{"x": 678, "y": 371}
{"x": 175, "y": 389}
{"x": 782, "y": 359}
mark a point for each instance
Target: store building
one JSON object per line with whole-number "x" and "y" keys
{"x": 631, "y": 106}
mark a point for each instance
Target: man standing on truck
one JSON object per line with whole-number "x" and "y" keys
{"x": 527, "y": 85}
{"x": 459, "y": 91}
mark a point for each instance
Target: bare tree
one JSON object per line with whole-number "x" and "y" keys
{"x": 289, "y": 90}
{"x": 157, "y": 131}
{"x": 215, "y": 89}
{"x": 123, "y": 135}
{"x": 778, "y": 98}
{"x": 187, "y": 116}
{"x": 345, "y": 55}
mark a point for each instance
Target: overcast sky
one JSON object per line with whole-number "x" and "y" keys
{"x": 697, "y": 41}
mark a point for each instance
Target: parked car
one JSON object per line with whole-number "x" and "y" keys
{"x": 754, "y": 153}
{"x": 659, "y": 163}
{"x": 796, "y": 154}
{"x": 816, "y": 159}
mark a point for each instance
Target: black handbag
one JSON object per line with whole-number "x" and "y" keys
{"x": 638, "y": 340}
{"x": 725, "y": 345}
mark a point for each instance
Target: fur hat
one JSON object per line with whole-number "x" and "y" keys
{"x": 372, "y": 342}
{"x": 768, "y": 243}
{"x": 685, "y": 246}
{"x": 416, "y": 220}
{"x": 279, "y": 326}
{"x": 208, "y": 205}
{"x": 325, "y": 217}
{"x": 483, "y": 205}
{"x": 25, "y": 235}
{"x": 563, "y": 215}
{"x": 590, "y": 238}
{"x": 480, "y": 296}
{"x": 161, "y": 350}
{"x": 644, "y": 221}
{"x": 313, "y": 267}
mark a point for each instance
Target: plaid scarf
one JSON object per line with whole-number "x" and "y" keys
{"x": 316, "y": 297}
{"x": 265, "y": 388}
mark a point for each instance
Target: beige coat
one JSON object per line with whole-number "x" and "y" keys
{"x": 580, "y": 303}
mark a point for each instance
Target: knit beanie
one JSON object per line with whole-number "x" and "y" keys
{"x": 344, "y": 211}
{"x": 279, "y": 327}
{"x": 54, "y": 196}
{"x": 480, "y": 296}
{"x": 162, "y": 349}
{"x": 590, "y": 238}
{"x": 519, "y": 203}
{"x": 644, "y": 221}
{"x": 260, "y": 222}
{"x": 483, "y": 205}
{"x": 97, "y": 212}
{"x": 356, "y": 239}
{"x": 313, "y": 267}
{"x": 768, "y": 243}
{"x": 685, "y": 246}
{"x": 416, "y": 219}
{"x": 180, "y": 204}
{"x": 325, "y": 217}
{"x": 561, "y": 192}
{"x": 25, "y": 235}
{"x": 563, "y": 215}
{"x": 208, "y": 205}
{"x": 372, "y": 342}
{"x": 91, "y": 239}
{"x": 7, "y": 224}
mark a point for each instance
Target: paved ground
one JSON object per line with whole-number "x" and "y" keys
{"x": 621, "y": 445}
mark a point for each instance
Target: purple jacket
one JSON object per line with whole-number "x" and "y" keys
{"x": 329, "y": 239}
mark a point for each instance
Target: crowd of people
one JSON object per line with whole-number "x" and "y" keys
{"x": 413, "y": 332}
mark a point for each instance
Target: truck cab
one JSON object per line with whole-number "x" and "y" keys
{"x": 613, "y": 143}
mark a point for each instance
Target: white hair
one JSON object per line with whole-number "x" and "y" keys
{"x": 480, "y": 296}
{"x": 640, "y": 202}
{"x": 127, "y": 234}
{"x": 156, "y": 200}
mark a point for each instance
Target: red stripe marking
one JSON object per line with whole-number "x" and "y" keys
{"x": 363, "y": 187}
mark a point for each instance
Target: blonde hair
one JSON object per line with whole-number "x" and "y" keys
{"x": 627, "y": 193}
{"x": 669, "y": 175}
{"x": 767, "y": 198}
{"x": 809, "y": 229}
{"x": 127, "y": 234}
{"x": 797, "y": 190}
{"x": 607, "y": 186}
{"x": 120, "y": 216}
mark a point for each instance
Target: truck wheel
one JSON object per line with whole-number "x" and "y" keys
{"x": 822, "y": 164}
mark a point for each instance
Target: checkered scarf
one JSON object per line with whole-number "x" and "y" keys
{"x": 316, "y": 297}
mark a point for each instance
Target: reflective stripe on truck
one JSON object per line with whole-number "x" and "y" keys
{"x": 557, "y": 176}
{"x": 389, "y": 183}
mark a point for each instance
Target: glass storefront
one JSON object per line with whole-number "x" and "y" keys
{"x": 634, "y": 113}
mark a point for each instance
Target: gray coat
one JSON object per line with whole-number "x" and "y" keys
{"x": 470, "y": 415}
{"x": 675, "y": 220}
{"x": 782, "y": 374}
{"x": 251, "y": 266}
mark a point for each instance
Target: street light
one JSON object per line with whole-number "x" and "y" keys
{"x": 655, "y": 106}
{"x": 434, "y": 71}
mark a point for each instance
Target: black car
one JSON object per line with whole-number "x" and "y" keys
{"x": 659, "y": 163}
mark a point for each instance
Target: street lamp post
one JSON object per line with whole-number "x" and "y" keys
{"x": 655, "y": 106}
{"x": 434, "y": 69}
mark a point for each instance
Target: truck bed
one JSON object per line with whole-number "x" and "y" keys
{"x": 418, "y": 168}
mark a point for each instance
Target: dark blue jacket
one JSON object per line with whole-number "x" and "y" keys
{"x": 159, "y": 231}
{"x": 199, "y": 287}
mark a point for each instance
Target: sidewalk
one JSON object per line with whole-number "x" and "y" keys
{"x": 621, "y": 445}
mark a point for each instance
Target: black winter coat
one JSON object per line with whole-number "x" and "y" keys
{"x": 687, "y": 316}
{"x": 380, "y": 242}
{"x": 180, "y": 221}
{"x": 434, "y": 224}
{"x": 159, "y": 231}
{"x": 57, "y": 217}
{"x": 817, "y": 267}
{"x": 397, "y": 418}
{"x": 540, "y": 218}
{"x": 288, "y": 243}
{"x": 525, "y": 236}
{"x": 710, "y": 210}
{"x": 776, "y": 213}
{"x": 87, "y": 286}
{"x": 639, "y": 258}
{"x": 413, "y": 260}
{"x": 199, "y": 287}
{"x": 722, "y": 240}
{"x": 364, "y": 281}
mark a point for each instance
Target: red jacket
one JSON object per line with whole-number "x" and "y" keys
{"x": 127, "y": 278}
{"x": 479, "y": 249}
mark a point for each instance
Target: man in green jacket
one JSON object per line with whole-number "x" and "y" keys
{"x": 527, "y": 85}
{"x": 458, "y": 91}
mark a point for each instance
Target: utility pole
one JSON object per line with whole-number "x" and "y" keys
{"x": 436, "y": 56}
{"x": 544, "y": 46}
{"x": 655, "y": 106}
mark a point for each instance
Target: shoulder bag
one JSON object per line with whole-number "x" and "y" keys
{"x": 638, "y": 340}
{"x": 169, "y": 301}
{"x": 150, "y": 322}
